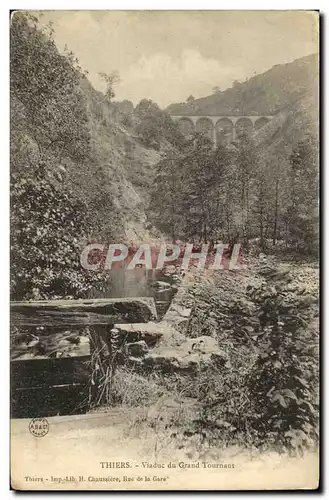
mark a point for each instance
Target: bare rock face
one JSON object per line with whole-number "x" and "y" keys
{"x": 190, "y": 357}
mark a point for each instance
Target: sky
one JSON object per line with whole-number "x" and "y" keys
{"x": 167, "y": 56}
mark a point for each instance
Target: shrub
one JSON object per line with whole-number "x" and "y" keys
{"x": 47, "y": 230}
{"x": 267, "y": 397}
{"x": 284, "y": 380}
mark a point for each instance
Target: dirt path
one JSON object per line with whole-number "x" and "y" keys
{"x": 75, "y": 446}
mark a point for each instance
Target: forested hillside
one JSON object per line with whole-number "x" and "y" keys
{"x": 265, "y": 186}
{"x": 262, "y": 94}
{"x": 87, "y": 167}
{"x": 81, "y": 165}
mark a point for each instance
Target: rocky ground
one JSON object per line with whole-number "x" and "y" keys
{"x": 208, "y": 308}
{"x": 207, "y": 343}
{"x": 187, "y": 338}
{"x": 181, "y": 384}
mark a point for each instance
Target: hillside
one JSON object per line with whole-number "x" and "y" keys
{"x": 230, "y": 360}
{"x": 81, "y": 165}
{"x": 287, "y": 91}
{"x": 103, "y": 151}
{"x": 266, "y": 93}
{"x": 289, "y": 126}
{"x": 75, "y": 151}
{"x": 125, "y": 165}
{"x": 120, "y": 168}
{"x": 126, "y": 144}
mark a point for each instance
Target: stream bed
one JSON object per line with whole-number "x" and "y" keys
{"x": 140, "y": 283}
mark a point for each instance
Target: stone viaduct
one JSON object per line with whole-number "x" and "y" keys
{"x": 220, "y": 129}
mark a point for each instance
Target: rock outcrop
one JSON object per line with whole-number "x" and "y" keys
{"x": 152, "y": 333}
{"x": 189, "y": 357}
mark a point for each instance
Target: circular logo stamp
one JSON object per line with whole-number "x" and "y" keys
{"x": 39, "y": 427}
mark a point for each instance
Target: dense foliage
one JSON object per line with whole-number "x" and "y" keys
{"x": 156, "y": 125}
{"x": 267, "y": 396}
{"x": 236, "y": 193}
{"x": 284, "y": 380}
{"x": 303, "y": 208}
{"x": 44, "y": 86}
{"x": 46, "y": 238}
{"x": 49, "y": 126}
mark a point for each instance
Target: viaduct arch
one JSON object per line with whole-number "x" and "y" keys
{"x": 220, "y": 129}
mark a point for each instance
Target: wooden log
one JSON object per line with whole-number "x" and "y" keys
{"x": 40, "y": 385}
{"x": 82, "y": 312}
{"x": 50, "y": 372}
{"x": 35, "y": 402}
{"x": 45, "y": 387}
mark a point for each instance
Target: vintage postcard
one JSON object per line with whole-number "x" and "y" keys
{"x": 164, "y": 186}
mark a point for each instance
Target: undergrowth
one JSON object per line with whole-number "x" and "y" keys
{"x": 266, "y": 396}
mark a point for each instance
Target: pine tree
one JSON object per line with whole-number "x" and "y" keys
{"x": 247, "y": 166}
{"x": 303, "y": 210}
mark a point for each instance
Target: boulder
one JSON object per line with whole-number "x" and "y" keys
{"x": 189, "y": 357}
{"x": 178, "y": 316}
{"x": 203, "y": 344}
{"x": 152, "y": 333}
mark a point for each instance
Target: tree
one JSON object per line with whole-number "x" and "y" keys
{"x": 48, "y": 105}
{"x": 240, "y": 97}
{"x": 164, "y": 209}
{"x": 156, "y": 126}
{"x": 110, "y": 79}
{"x": 216, "y": 90}
{"x": 186, "y": 201}
{"x": 247, "y": 165}
{"x": 146, "y": 108}
{"x": 236, "y": 84}
{"x": 47, "y": 228}
{"x": 197, "y": 194}
{"x": 49, "y": 225}
{"x": 262, "y": 200}
{"x": 228, "y": 196}
{"x": 303, "y": 210}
